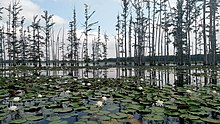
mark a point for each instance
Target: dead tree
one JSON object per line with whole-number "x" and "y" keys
{"x": 104, "y": 45}
{"x": 14, "y": 12}
{"x": 119, "y": 44}
{"x": 98, "y": 54}
{"x": 47, "y": 30}
{"x": 205, "y": 61}
{"x": 23, "y": 42}
{"x": 180, "y": 36}
{"x": 153, "y": 53}
{"x": 73, "y": 47}
{"x": 2, "y": 59}
{"x": 88, "y": 27}
{"x": 130, "y": 41}
{"x": 140, "y": 33}
{"x": 125, "y": 4}
{"x": 36, "y": 42}
{"x": 212, "y": 30}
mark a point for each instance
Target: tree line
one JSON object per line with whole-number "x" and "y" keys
{"x": 156, "y": 28}
{"x": 152, "y": 29}
{"x": 37, "y": 43}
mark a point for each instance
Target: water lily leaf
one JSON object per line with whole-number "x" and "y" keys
{"x": 209, "y": 120}
{"x": 19, "y": 121}
{"x": 53, "y": 118}
{"x": 171, "y": 113}
{"x": 103, "y": 112}
{"x": 80, "y": 108}
{"x": 105, "y": 118}
{"x": 92, "y": 122}
{"x": 66, "y": 116}
{"x": 32, "y": 109}
{"x": 34, "y": 118}
{"x": 157, "y": 110}
{"x": 153, "y": 117}
{"x": 112, "y": 108}
{"x": 58, "y": 122}
{"x": 3, "y": 114}
{"x": 185, "y": 115}
{"x": 171, "y": 107}
{"x": 3, "y": 107}
{"x": 193, "y": 117}
{"x": 114, "y": 116}
{"x": 201, "y": 113}
{"x": 62, "y": 110}
{"x": 74, "y": 114}
{"x": 80, "y": 122}
{"x": 122, "y": 115}
{"x": 85, "y": 117}
{"x": 48, "y": 111}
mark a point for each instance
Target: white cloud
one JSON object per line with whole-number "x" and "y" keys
{"x": 30, "y": 9}
{"x": 59, "y": 20}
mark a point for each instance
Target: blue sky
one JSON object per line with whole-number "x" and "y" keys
{"x": 106, "y": 11}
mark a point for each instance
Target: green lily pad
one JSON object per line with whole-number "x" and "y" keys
{"x": 53, "y": 118}
{"x": 34, "y": 118}
{"x": 201, "y": 113}
{"x": 157, "y": 110}
{"x": 92, "y": 122}
{"x": 171, "y": 107}
{"x": 153, "y": 117}
{"x": 18, "y": 121}
{"x": 80, "y": 108}
{"x": 58, "y": 122}
{"x": 85, "y": 117}
{"x": 62, "y": 110}
{"x": 80, "y": 122}
{"x": 105, "y": 118}
{"x": 66, "y": 116}
{"x": 3, "y": 114}
{"x": 209, "y": 120}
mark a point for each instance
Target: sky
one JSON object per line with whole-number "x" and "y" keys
{"x": 106, "y": 12}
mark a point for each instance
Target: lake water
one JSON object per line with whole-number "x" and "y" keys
{"x": 154, "y": 75}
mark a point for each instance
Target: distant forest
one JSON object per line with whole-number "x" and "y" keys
{"x": 157, "y": 32}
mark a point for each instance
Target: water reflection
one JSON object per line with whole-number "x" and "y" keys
{"x": 155, "y": 76}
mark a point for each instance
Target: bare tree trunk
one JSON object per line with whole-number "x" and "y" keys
{"x": 153, "y": 33}
{"x": 205, "y": 62}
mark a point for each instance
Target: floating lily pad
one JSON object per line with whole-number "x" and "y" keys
{"x": 105, "y": 118}
{"x": 66, "y": 116}
{"x": 121, "y": 115}
{"x": 80, "y": 108}
{"x": 153, "y": 117}
{"x": 19, "y": 121}
{"x": 62, "y": 110}
{"x": 54, "y": 118}
{"x": 58, "y": 122}
{"x": 92, "y": 122}
{"x": 80, "y": 122}
{"x": 34, "y": 118}
{"x": 201, "y": 113}
{"x": 209, "y": 120}
{"x": 85, "y": 117}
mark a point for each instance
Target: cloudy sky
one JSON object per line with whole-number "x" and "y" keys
{"x": 105, "y": 12}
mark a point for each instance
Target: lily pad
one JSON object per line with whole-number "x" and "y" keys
{"x": 209, "y": 120}
{"x": 18, "y": 121}
{"x": 62, "y": 110}
{"x": 53, "y": 118}
{"x": 153, "y": 117}
{"x": 34, "y": 118}
{"x": 58, "y": 122}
